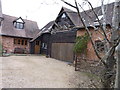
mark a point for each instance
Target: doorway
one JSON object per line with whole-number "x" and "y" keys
{"x": 37, "y": 47}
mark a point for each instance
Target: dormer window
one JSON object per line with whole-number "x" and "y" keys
{"x": 19, "y": 23}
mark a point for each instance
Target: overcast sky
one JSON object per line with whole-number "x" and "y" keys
{"x": 41, "y": 11}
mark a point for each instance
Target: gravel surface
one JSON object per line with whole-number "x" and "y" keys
{"x": 39, "y": 72}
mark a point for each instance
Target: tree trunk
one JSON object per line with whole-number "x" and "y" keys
{"x": 116, "y": 33}
{"x": 117, "y": 81}
{"x": 109, "y": 57}
{"x": 108, "y": 76}
{"x": 115, "y": 21}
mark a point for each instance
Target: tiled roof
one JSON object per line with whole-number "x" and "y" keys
{"x": 89, "y": 16}
{"x": 29, "y": 31}
{"x": 45, "y": 29}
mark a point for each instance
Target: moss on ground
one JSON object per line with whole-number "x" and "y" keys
{"x": 95, "y": 80}
{"x": 91, "y": 75}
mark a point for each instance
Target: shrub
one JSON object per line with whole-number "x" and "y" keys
{"x": 81, "y": 44}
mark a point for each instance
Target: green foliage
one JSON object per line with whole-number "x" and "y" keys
{"x": 81, "y": 44}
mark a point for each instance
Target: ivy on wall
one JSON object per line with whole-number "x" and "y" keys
{"x": 81, "y": 44}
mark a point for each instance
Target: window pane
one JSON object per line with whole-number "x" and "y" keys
{"x": 45, "y": 46}
{"x": 15, "y": 41}
{"x": 42, "y": 45}
{"x": 25, "y": 42}
{"x": 22, "y": 42}
{"x": 18, "y": 41}
{"x": 20, "y": 25}
{"x": 17, "y": 25}
{"x": 100, "y": 46}
{"x": 37, "y": 43}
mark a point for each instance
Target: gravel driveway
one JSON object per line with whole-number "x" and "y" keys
{"x": 39, "y": 72}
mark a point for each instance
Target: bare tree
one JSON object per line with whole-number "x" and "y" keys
{"x": 116, "y": 33}
{"x": 109, "y": 59}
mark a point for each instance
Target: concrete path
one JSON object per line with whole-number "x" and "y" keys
{"x": 40, "y": 72}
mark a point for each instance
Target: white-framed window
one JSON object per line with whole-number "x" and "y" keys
{"x": 44, "y": 45}
{"x": 19, "y": 25}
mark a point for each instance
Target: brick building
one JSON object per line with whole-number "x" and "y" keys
{"x": 66, "y": 27}
{"x": 15, "y": 33}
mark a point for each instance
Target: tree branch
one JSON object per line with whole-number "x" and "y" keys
{"x": 86, "y": 28}
{"x": 85, "y": 11}
{"x": 111, "y": 50}
{"x": 91, "y": 19}
{"x": 68, "y": 4}
{"x": 99, "y": 22}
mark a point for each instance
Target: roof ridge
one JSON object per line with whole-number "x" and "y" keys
{"x": 97, "y": 7}
{"x": 8, "y": 28}
{"x": 18, "y": 17}
{"x": 67, "y": 9}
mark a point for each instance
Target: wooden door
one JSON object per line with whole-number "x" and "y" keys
{"x": 37, "y": 47}
{"x": 62, "y": 51}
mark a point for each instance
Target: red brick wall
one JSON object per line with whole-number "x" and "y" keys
{"x": 8, "y": 44}
{"x": 95, "y": 36}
